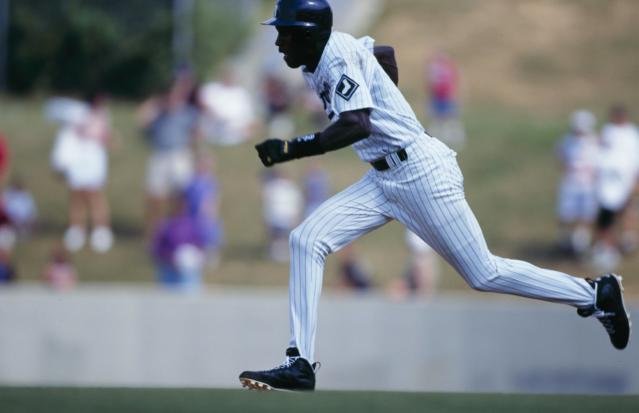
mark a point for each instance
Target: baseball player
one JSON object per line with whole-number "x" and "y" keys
{"x": 414, "y": 178}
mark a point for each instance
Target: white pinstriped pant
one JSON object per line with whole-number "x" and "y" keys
{"x": 426, "y": 194}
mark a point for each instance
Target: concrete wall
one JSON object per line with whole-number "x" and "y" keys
{"x": 145, "y": 337}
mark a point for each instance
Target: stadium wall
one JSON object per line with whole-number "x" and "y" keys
{"x": 123, "y": 336}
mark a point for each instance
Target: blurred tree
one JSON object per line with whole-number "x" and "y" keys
{"x": 120, "y": 46}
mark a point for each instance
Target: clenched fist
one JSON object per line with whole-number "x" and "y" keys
{"x": 273, "y": 151}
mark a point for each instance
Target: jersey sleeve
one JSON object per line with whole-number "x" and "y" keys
{"x": 349, "y": 89}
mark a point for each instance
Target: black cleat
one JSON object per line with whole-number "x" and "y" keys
{"x": 296, "y": 374}
{"x": 609, "y": 309}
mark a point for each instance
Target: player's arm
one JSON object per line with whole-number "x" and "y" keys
{"x": 385, "y": 56}
{"x": 352, "y": 126}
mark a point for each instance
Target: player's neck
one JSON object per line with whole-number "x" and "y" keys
{"x": 316, "y": 56}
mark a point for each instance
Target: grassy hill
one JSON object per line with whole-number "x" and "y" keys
{"x": 548, "y": 56}
{"x": 525, "y": 65}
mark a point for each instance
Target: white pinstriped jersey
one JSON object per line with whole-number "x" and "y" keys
{"x": 425, "y": 192}
{"x": 348, "y": 77}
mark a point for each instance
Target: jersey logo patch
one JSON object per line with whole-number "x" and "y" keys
{"x": 346, "y": 87}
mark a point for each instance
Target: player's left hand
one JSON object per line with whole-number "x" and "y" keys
{"x": 273, "y": 151}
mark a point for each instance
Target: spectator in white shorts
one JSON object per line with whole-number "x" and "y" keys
{"x": 170, "y": 125}
{"x": 282, "y": 210}
{"x": 616, "y": 182}
{"x": 80, "y": 154}
{"x": 576, "y": 202}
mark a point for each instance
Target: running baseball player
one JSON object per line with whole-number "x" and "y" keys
{"x": 414, "y": 178}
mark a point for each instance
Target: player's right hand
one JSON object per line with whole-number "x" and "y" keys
{"x": 273, "y": 151}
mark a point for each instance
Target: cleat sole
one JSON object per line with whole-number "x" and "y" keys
{"x": 263, "y": 387}
{"x": 255, "y": 385}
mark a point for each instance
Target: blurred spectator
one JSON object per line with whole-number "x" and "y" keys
{"x": 282, "y": 208}
{"x": 423, "y": 272}
{"x": 277, "y": 99}
{"x": 576, "y": 202}
{"x": 59, "y": 273}
{"x": 97, "y": 129}
{"x": 202, "y": 196}
{"x": 629, "y": 237}
{"x": 442, "y": 82}
{"x": 352, "y": 274}
{"x": 316, "y": 191}
{"x": 80, "y": 155}
{"x": 229, "y": 113}
{"x": 314, "y": 107}
{"x": 65, "y": 111}
{"x": 316, "y": 187}
{"x": 7, "y": 241}
{"x": 616, "y": 181}
{"x": 629, "y": 232}
{"x": 178, "y": 248}
{"x": 7, "y": 269}
{"x": 170, "y": 123}
{"x": 20, "y": 207}
{"x": 4, "y": 157}
{"x": 7, "y": 230}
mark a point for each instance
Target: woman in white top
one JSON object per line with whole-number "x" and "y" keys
{"x": 81, "y": 155}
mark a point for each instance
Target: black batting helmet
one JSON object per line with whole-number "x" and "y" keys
{"x": 312, "y": 14}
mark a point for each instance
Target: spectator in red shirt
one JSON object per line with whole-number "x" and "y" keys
{"x": 442, "y": 81}
{"x": 4, "y": 156}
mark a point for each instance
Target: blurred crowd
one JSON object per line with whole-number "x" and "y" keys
{"x": 597, "y": 197}
{"x": 183, "y": 229}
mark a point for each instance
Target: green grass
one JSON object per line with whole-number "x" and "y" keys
{"x": 510, "y": 178}
{"x": 95, "y": 400}
{"x": 514, "y": 114}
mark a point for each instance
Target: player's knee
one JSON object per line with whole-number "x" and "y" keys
{"x": 304, "y": 242}
{"x": 482, "y": 279}
{"x": 481, "y": 284}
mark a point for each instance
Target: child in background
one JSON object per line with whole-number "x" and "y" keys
{"x": 59, "y": 273}
{"x": 202, "y": 196}
{"x": 178, "y": 248}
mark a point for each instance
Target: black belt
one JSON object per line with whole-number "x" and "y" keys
{"x": 382, "y": 165}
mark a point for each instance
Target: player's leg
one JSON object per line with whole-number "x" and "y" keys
{"x": 346, "y": 216}
{"x": 338, "y": 221}
{"x": 436, "y": 209}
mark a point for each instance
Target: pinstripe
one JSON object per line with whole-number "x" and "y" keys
{"x": 394, "y": 123}
{"x": 425, "y": 193}
{"x": 333, "y": 224}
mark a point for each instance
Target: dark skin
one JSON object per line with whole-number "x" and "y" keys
{"x": 303, "y": 48}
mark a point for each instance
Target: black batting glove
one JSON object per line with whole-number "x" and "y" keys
{"x": 273, "y": 151}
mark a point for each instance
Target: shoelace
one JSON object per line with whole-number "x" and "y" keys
{"x": 287, "y": 363}
{"x": 606, "y": 319}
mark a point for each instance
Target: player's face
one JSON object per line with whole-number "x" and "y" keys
{"x": 291, "y": 42}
